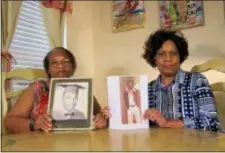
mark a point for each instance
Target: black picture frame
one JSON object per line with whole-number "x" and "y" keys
{"x": 77, "y": 119}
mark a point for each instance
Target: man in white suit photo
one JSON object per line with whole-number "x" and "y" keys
{"x": 132, "y": 101}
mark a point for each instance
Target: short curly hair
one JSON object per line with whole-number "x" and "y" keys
{"x": 69, "y": 54}
{"x": 157, "y": 39}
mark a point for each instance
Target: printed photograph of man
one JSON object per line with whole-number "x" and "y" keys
{"x": 69, "y": 103}
{"x": 130, "y": 101}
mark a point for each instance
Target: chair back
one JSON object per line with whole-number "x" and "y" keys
{"x": 218, "y": 88}
{"x": 22, "y": 74}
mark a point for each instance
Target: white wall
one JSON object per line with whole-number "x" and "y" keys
{"x": 120, "y": 53}
{"x": 80, "y": 37}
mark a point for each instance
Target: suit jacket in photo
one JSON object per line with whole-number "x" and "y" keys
{"x": 137, "y": 98}
{"x": 65, "y": 115}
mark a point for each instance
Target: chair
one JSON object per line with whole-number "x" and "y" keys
{"x": 24, "y": 74}
{"x": 218, "y": 88}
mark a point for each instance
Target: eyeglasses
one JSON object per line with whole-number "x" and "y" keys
{"x": 65, "y": 62}
{"x": 164, "y": 54}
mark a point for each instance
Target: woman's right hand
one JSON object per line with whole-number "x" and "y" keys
{"x": 106, "y": 112}
{"x": 155, "y": 116}
{"x": 43, "y": 122}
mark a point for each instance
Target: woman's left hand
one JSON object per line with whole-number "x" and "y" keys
{"x": 100, "y": 121}
{"x": 106, "y": 112}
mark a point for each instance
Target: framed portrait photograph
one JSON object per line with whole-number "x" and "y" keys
{"x": 71, "y": 103}
{"x": 128, "y": 100}
{"x": 178, "y": 15}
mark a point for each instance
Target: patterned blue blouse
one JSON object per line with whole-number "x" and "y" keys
{"x": 189, "y": 98}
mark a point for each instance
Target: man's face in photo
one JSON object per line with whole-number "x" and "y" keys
{"x": 69, "y": 100}
{"x": 130, "y": 84}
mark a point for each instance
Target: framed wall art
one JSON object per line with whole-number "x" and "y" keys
{"x": 177, "y": 15}
{"x": 127, "y": 15}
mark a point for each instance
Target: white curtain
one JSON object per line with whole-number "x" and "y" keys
{"x": 54, "y": 23}
{"x": 10, "y": 14}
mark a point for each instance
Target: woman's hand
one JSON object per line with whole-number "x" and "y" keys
{"x": 43, "y": 122}
{"x": 106, "y": 112}
{"x": 155, "y": 116}
{"x": 100, "y": 121}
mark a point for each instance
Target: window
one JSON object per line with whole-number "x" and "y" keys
{"x": 30, "y": 41}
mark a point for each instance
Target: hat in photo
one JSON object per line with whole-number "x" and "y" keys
{"x": 71, "y": 87}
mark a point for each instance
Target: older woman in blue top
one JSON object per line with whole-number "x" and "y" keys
{"x": 176, "y": 98}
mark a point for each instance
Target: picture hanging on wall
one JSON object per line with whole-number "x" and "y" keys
{"x": 177, "y": 15}
{"x": 127, "y": 15}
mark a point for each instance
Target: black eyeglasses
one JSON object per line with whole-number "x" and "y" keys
{"x": 65, "y": 62}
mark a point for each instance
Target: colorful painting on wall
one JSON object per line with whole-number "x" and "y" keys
{"x": 177, "y": 15}
{"x": 127, "y": 15}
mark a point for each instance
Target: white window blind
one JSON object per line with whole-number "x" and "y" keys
{"x": 30, "y": 41}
